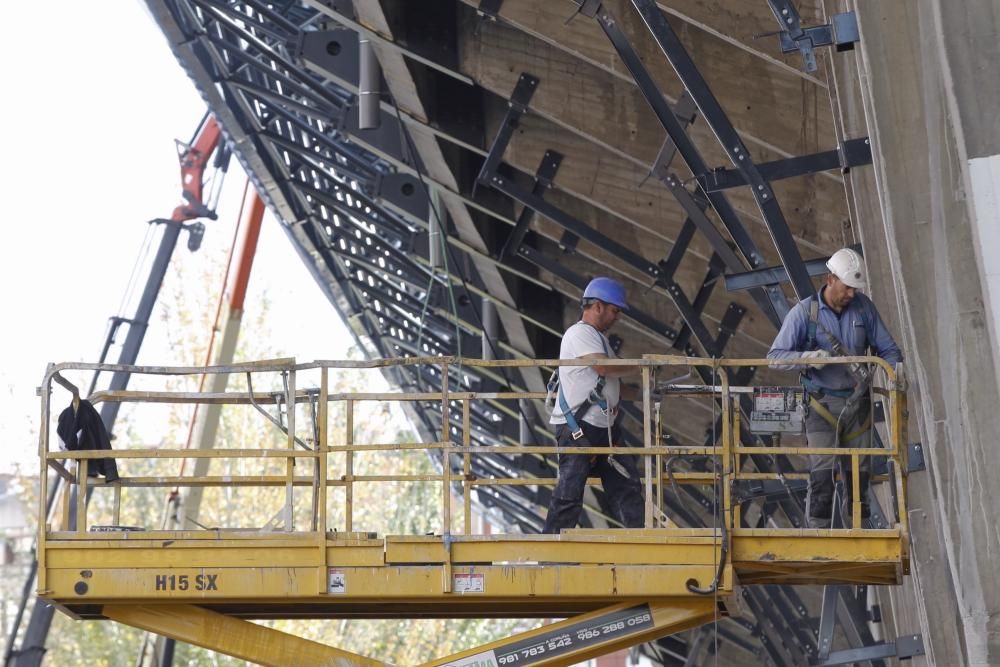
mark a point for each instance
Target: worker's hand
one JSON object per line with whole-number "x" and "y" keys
{"x": 815, "y": 354}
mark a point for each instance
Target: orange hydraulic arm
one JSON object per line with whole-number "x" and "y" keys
{"x": 194, "y": 158}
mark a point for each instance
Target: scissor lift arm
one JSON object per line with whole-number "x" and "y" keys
{"x": 564, "y": 643}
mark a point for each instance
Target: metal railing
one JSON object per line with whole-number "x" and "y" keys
{"x": 727, "y": 452}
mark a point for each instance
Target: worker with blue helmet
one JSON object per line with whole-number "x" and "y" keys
{"x": 585, "y": 406}
{"x": 607, "y": 290}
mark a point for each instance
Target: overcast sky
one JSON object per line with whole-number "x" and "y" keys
{"x": 93, "y": 103}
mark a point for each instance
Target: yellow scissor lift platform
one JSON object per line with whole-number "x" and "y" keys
{"x": 616, "y": 587}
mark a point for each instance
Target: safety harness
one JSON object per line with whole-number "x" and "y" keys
{"x": 861, "y": 376}
{"x": 574, "y": 417}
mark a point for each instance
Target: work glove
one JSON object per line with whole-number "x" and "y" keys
{"x": 815, "y": 354}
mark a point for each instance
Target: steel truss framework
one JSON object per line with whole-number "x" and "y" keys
{"x": 281, "y": 78}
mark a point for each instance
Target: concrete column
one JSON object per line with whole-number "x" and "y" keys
{"x": 923, "y": 86}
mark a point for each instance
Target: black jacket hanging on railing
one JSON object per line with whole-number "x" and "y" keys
{"x": 85, "y": 430}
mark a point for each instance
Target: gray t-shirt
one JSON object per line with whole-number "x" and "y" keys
{"x": 576, "y": 382}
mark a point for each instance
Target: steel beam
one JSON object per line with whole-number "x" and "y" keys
{"x": 777, "y": 274}
{"x": 827, "y": 620}
{"x": 581, "y": 229}
{"x": 903, "y": 648}
{"x": 533, "y": 201}
{"x": 778, "y": 306}
{"x": 714, "y": 116}
{"x": 771, "y": 275}
{"x": 852, "y": 153}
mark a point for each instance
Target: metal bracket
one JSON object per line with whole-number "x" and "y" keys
{"x": 543, "y": 181}
{"x": 777, "y": 274}
{"x": 915, "y": 458}
{"x": 903, "y": 648}
{"x": 851, "y": 153}
{"x": 568, "y": 241}
{"x": 519, "y": 99}
{"x": 877, "y": 518}
{"x": 685, "y": 111}
{"x": 557, "y": 215}
{"x": 692, "y": 319}
{"x": 403, "y": 192}
{"x": 878, "y": 412}
{"x": 668, "y": 265}
{"x": 489, "y": 8}
{"x": 842, "y": 33}
{"x": 855, "y": 153}
{"x": 589, "y": 8}
{"x": 729, "y": 324}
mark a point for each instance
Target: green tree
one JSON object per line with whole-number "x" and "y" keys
{"x": 385, "y": 508}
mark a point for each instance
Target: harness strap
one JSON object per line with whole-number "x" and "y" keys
{"x": 811, "y": 343}
{"x": 574, "y": 417}
{"x": 837, "y": 348}
{"x": 830, "y": 419}
{"x": 814, "y": 388}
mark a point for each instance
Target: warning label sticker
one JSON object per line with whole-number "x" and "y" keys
{"x": 336, "y": 581}
{"x": 772, "y": 402}
{"x": 469, "y": 583}
{"x": 486, "y": 659}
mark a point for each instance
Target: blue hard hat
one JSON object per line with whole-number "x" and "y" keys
{"x": 607, "y": 290}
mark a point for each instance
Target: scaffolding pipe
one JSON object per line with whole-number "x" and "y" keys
{"x": 369, "y": 78}
{"x": 490, "y": 323}
{"x": 434, "y": 244}
{"x": 524, "y": 435}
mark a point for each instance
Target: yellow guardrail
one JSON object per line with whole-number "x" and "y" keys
{"x": 728, "y": 452}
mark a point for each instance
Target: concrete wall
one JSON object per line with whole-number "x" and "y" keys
{"x": 923, "y": 84}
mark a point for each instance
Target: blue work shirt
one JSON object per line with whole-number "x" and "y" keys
{"x": 858, "y": 327}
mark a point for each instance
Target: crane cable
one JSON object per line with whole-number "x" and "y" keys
{"x": 140, "y": 260}
{"x": 407, "y": 140}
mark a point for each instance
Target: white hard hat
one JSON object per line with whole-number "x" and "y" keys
{"x": 847, "y": 265}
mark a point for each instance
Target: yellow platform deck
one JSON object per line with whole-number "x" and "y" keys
{"x": 285, "y": 575}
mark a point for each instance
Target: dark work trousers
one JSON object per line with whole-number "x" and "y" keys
{"x": 624, "y": 495}
{"x": 820, "y": 433}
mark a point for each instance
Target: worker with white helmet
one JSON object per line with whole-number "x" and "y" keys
{"x": 838, "y": 321}
{"x": 584, "y": 414}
